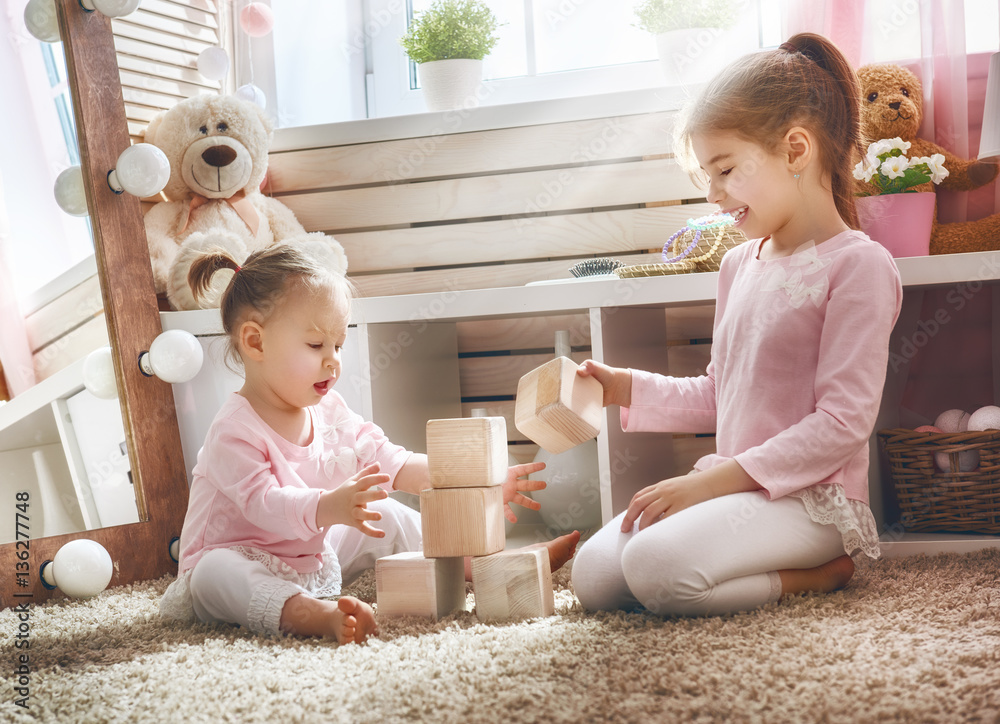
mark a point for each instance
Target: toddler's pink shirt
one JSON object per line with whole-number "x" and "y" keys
{"x": 251, "y": 487}
{"x": 799, "y": 355}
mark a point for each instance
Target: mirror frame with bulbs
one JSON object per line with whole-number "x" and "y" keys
{"x": 140, "y": 551}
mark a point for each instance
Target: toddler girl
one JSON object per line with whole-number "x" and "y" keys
{"x": 799, "y": 351}
{"x": 290, "y": 481}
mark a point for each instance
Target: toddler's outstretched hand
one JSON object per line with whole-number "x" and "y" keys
{"x": 616, "y": 381}
{"x": 516, "y": 482}
{"x": 347, "y": 505}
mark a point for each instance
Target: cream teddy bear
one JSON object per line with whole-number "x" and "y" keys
{"x": 217, "y": 148}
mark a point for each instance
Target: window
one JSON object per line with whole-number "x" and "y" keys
{"x": 36, "y": 145}
{"x": 339, "y": 60}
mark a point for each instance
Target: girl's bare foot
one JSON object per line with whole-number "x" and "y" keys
{"x": 560, "y": 550}
{"x": 831, "y": 576}
{"x": 347, "y": 619}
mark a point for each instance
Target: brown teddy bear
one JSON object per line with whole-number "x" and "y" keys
{"x": 217, "y": 147}
{"x": 892, "y": 106}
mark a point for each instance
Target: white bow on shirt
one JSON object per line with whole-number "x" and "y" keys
{"x": 796, "y": 288}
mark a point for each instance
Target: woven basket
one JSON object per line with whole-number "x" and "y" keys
{"x": 932, "y": 500}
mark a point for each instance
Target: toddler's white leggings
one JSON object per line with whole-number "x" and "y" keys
{"x": 717, "y": 557}
{"x": 226, "y": 587}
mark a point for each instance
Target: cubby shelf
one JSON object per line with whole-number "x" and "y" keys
{"x": 404, "y": 366}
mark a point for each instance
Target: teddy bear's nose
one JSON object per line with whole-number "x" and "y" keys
{"x": 895, "y": 105}
{"x": 219, "y": 156}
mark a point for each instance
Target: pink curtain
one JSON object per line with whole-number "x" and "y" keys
{"x": 953, "y": 368}
{"x": 15, "y": 352}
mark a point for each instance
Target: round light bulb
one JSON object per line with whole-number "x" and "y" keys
{"x": 142, "y": 170}
{"x": 81, "y": 569}
{"x": 213, "y": 63}
{"x": 41, "y": 21}
{"x": 69, "y": 192}
{"x": 99, "y": 374}
{"x": 175, "y": 356}
{"x": 252, "y": 93}
{"x": 112, "y": 8}
{"x": 257, "y": 20}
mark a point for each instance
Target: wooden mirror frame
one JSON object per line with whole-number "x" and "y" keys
{"x": 140, "y": 551}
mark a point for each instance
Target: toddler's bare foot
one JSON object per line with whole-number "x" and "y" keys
{"x": 831, "y": 576}
{"x": 347, "y": 619}
{"x": 356, "y": 621}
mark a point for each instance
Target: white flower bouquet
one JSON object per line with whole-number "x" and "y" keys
{"x": 887, "y": 168}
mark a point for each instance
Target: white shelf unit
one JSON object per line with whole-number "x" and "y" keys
{"x": 408, "y": 343}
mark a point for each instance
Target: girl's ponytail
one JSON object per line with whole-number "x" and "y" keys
{"x": 843, "y": 124}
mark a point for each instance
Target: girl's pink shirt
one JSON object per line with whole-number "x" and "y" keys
{"x": 251, "y": 487}
{"x": 799, "y": 355}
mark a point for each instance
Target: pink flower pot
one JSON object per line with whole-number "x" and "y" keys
{"x": 899, "y": 222}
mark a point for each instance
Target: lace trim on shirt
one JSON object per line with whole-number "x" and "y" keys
{"x": 176, "y": 602}
{"x": 324, "y": 583}
{"x": 828, "y": 505}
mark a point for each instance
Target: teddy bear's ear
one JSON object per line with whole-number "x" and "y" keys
{"x": 149, "y": 135}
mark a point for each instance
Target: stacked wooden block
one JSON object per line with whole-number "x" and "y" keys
{"x": 462, "y": 516}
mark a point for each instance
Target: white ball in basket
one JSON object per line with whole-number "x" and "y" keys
{"x": 985, "y": 418}
{"x": 953, "y": 421}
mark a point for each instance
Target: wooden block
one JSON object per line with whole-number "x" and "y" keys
{"x": 513, "y": 584}
{"x": 557, "y": 408}
{"x": 467, "y": 452}
{"x": 462, "y": 521}
{"x": 408, "y": 584}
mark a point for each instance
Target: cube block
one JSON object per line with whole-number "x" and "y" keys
{"x": 408, "y": 584}
{"x": 462, "y": 521}
{"x": 513, "y": 584}
{"x": 556, "y": 408}
{"x": 467, "y": 452}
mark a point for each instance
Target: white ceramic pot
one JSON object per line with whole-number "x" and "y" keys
{"x": 451, "y": 84}
{"x": 692, "y": 55}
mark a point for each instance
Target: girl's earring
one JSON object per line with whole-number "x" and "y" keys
{"x": 795, "y": 176}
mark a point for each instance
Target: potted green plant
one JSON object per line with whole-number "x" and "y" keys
{"x": 688, "y": 34}
{"x": 448, "y": 42}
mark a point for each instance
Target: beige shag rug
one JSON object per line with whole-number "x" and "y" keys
{"x": 910, "y": 640}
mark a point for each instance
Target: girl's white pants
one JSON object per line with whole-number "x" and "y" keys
{"x": 717, "y": 557}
